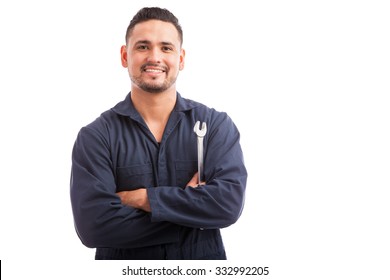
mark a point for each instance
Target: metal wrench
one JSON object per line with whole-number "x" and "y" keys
{"x": 200, "y": 132}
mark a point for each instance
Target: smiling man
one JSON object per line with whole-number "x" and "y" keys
{"x": 135, "y": 191}
{"x": 153, "y": 56}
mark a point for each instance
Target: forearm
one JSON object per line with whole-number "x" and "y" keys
{"x": 136, "y": 199}
{"x": 102, "y": 221}
{"x": 215, "y": 205}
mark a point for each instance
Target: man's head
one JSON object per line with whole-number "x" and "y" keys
{"x": 153, "y": 52}
{"x": 156, "y": 13}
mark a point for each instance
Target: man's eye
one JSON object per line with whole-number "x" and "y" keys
{"x": 142, "y": 47}
{"x": 167, "y": 49}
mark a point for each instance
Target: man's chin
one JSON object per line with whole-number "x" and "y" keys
{"x": 153, "y": 88}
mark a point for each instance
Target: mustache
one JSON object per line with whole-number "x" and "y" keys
{"x": 158, "y": 66}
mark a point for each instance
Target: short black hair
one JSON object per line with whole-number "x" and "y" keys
{"x": 157, "y": 13}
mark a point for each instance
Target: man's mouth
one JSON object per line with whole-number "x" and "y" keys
{"x": 153, "y": 69}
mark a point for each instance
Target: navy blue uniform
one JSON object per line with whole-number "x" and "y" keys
{"x": 118, "y": 152}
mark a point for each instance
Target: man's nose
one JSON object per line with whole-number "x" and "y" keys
{"x": 154, "y": 55}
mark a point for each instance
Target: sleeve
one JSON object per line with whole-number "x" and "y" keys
{"x": 100, "y": 218}
{"x": 217, "y": 204}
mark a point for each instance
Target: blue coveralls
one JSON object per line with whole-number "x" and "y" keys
{"x": 118, "y": 152}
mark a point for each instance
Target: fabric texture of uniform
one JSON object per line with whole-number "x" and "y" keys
{"x": 117, "y": 152}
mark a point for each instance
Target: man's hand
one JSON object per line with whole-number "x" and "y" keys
{"x": 193, "y": 183}
{"x": 139, "y": 198}
{"x": 136, "y": 199}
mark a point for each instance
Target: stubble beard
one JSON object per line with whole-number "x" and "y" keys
{"x": 153, "y": 87}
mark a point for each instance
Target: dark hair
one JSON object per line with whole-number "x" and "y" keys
{"x": 146, "y": 14}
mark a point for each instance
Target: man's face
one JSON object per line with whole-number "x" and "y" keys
{"x": 153, "y": 56}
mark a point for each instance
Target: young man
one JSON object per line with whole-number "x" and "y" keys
{"x": 134, "y": 186}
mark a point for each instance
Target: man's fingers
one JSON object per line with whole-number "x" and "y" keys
{"x": 193, "y": 183}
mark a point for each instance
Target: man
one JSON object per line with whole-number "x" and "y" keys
{"x": 134, "y": 186}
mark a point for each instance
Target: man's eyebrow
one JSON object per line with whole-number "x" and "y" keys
{"x": 164, "y": 43}
{"x": 142, "y": 42}
{"x": 167, "y": 43}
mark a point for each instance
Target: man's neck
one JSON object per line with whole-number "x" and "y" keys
{"x": 154, "y": 106}
{"x": 155, "y": 109}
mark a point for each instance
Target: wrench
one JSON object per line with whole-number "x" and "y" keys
{"x": 200, "y": 132}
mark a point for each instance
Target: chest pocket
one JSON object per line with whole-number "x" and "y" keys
{"x": 134, "y": 177}
{"x": 185, "y": 169}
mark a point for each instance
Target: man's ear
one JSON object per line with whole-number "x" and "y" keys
{"x": 124, "y": 56}
{"x": 182, "y": 56}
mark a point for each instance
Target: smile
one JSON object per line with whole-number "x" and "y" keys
{"x": 154, "y": 70}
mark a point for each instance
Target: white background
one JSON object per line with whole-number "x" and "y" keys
{"x": 306, "y": 82}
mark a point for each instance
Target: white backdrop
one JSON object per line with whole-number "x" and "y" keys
{"x": 306, "y": 82}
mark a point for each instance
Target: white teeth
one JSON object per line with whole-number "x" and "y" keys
{"x": 153, "y": 70}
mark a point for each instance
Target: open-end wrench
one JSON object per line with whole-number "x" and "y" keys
{"x": 200, "y": 132}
